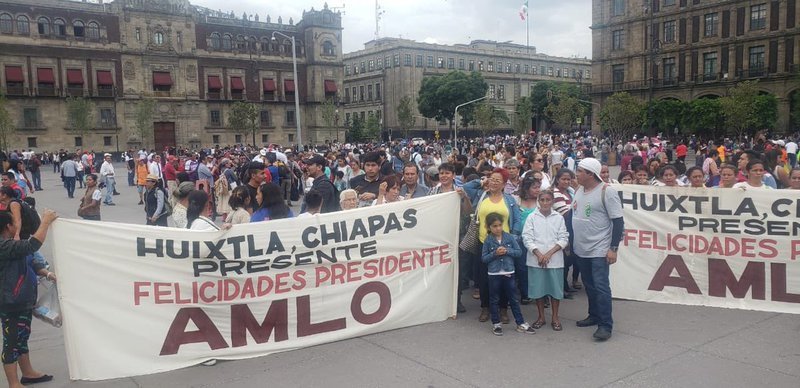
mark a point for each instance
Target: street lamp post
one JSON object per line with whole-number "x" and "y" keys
{"x": 455, "y": 118}
{"x": 299, "y": 139}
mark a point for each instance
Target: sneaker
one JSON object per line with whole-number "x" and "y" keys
{"x": 526, "y": 328}
{"x": 526, "y": 301}
{"x": 602, "y": 334}
{"x": 111, "y": 204}
{"x": 497, "y": 329}
{"x": 141, "y": 203}
{"x": 210, "y": 362}
{"x": 589, "y": 321}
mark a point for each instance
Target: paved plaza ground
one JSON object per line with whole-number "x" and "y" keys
{"x": 654, "y": 345}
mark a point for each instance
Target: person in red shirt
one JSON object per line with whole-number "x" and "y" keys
{"x": 680, "y": 151}
{"x": 170, "y": 172}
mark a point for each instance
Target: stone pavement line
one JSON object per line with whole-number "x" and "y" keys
{"x": 398, "y": 354}
{"x": 695, "y": 349}
{"x": 133, "y": 380}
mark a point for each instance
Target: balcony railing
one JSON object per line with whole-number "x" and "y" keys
{"x": 74, "y": 92}
{"x": 237, "y": 95}
{"x": 47, "y": 91}
{"x": 111, "y": 92}
{"x": 753, "y": 73}
{"x": 269, "y": 96}
{"x": 16, "y": 90}
{"x": 214, "y": 95}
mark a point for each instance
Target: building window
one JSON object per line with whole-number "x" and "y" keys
{"x": 558, "y": 72}
{"x": 407, "y": 60}
{"x": 451, "y": 63}
{"x": 138, "y": 34}
{"x": 618, "y": 74}
{"x": 227, "y": 42}
{"x": 419, "y": 61}
{"x": 491, "y": 92}
{"x": 618, "y": 7}
{"x": 106, "y": 117}
{"x": 369, "y": 92}
{"x": 346, "y": 69}
{"x": 550, "y": 71}
{"x": 6, "y": 24}
{"x": 44, "y": 26}
{"x": 371, "y": 65}
{"x": 709, "y": 65}
{"x": 361, "y": 93}
{"x": 237, "y": 139}
{"x": 363, "y": 67}
{"x": 215, "y": 41}
{"x": 669, "y": 69}
{"x": 534, "y": 70}
{"x": 542, "y": 70}
{"x": 500, "y": 67}
{"x": 107, "y": 141}
{"x": 215, "y": 139}
{"x": 480, "y": 65}
{"x": 430, "y": 61}
{"x": 756, "y": 58}
{"x": 380, "y": 63}
{"x": 397, "y": 59}
{"x": 616, "y": 39}
{"x": 264, "y": 138}
{"x": 527, "y": 69}
{"x": 758, "y": 17}
{"x": 158, "y": 38}
{"x": 328, "y": 49}
{"x": 31, "y": 142}
{"x": 471, "y": 65}
{"x": 387, "y": 61}
{"x": 78, "y": 29}
{"x": 440, "y": 62}
{"x": 93, "y": 31}
{"x": 78, "y": 141}
{"x": 290, "y": 117}
{"x": 23, "y": 25}
{"x": 355, "y": 96}
{"x": 30, "y": 117}
{"x": 347, "y": 119}
{"x": 669, "y": 31}
{"x": 516, "y": 68}
{"x": 266, "y": 120}
{"x": 346, "y": 95}
{"x": 378, "y": 92}
{"x": 669, "y": 2}
{"x": 490, "y": 66}
{"x": 461, "y": 64}
{"x": 290, "y": 137}
{"x": 711, "y": 21}
{"x": 501, "y": 92}
{"x": 214, "y": 118}
{"x": 508, "y": 67}
{"x": 587, "y": 74}
{"x": 59, "y": 28}
{"x": 162, "y": 81}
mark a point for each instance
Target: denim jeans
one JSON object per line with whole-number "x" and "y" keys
{"x": 131, "y": 174}
{"x": 37, "y": 180}
{"x": 79, "y": 178}
{"x": 594, "y": 272}
{"x": 498, "y": 284}
{"x": 521, "y": 273}
{"x": 110, "y": 188}
{"x": 69, "y": 184}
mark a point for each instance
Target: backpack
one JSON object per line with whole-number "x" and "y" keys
{"x": 18, "y": 282}
{"x": 167, "y": 204}
{"x": 30, "y": 219}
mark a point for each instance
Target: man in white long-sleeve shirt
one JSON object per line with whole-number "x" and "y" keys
{"x": 107, "y": 174}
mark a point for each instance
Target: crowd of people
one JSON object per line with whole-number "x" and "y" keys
{"x": 522, "y": 240}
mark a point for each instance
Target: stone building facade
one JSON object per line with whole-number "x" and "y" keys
{"x": 688, "y": 49}
{"x": 193, "y": 62}
{"x": 379, "y": 76}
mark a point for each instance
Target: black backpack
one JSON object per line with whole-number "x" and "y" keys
{"x": 30, "y": 219}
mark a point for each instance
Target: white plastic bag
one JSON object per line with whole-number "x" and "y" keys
{"x": 47, "y": 307}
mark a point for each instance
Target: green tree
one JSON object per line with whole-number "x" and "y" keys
{"x": 144, "y": 119}
{"x": 439, "y": 95}
{"x": 564, "y": 108}
{"x": 488, "y": 117}
{"x": 741, "y": 109}
{"x": 80, "y": 113}
{"x": 704, "y": 115}
{"x": 524, "y": 110}
{"x": 356, "y": 131}
{"x": 765, "y": 112}
{"x": 666, "y": 115}
{"x": 405, "y": 115}
{"x": 328, "y": 112}
{"x": 6, "y": 124}
{"x": 372, "y": 129}
{"x": 244, "y": 118}
{"x": 621, "y": 116}
{"x": 543, "y": 93}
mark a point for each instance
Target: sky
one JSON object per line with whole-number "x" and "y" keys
{"x": 558, "y": 28}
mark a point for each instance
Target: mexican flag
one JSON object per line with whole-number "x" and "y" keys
{"x": 523, "y": 12}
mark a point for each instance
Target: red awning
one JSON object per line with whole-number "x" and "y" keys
{"x": 330, "y": 86}
{"x": 14, "y": 74}
{"x": 288, "y": 86}
{"x": 104, "y": 78}
{"x": 214, "y": 82}
{"x": 45, "y": 76}
{"x": 162, "y": 78}
{"x": 236, "y": 83}
{"x": 74, "y": 76}
{"x": 269, "y": 85}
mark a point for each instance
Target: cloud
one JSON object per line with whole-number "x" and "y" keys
{"x": 556, "y": 28}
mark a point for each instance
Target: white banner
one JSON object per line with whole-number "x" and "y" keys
{"x": 138, "y": 300}
{"x": 710, "y": 247}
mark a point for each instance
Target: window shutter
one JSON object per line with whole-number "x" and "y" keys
{"x": 681, "y": 67}
{"x": 683, "y": 3}
{"x": 656, "y": 5}
{"x": 773, "y": 56}
{"x": 682, "y": 31}
{"x": 789, "y": 53}
{"x": 740, "y": 13}
{"x": 694, "y": 65}
{"x": 774, "y": 16}
{"x": 726, "y": 23}
{"x": 695, "y": 28}
{"x": 739, "y": 58}
{"x": 790, "y": 13}
{"x": 723, "y": 64}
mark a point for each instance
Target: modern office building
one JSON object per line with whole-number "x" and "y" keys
{"x": 194, "y": 63}
{"x": 379, "y": 76}
{"x": 688, "y": 49}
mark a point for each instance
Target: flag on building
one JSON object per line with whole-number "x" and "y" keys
{"x": 523, "y": 12}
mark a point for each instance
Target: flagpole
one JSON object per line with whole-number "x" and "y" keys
{"x": 528, "y": 32}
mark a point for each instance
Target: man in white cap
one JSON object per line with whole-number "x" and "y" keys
{"x": 107, "y": 176}
{"x": 597, "y": 226}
